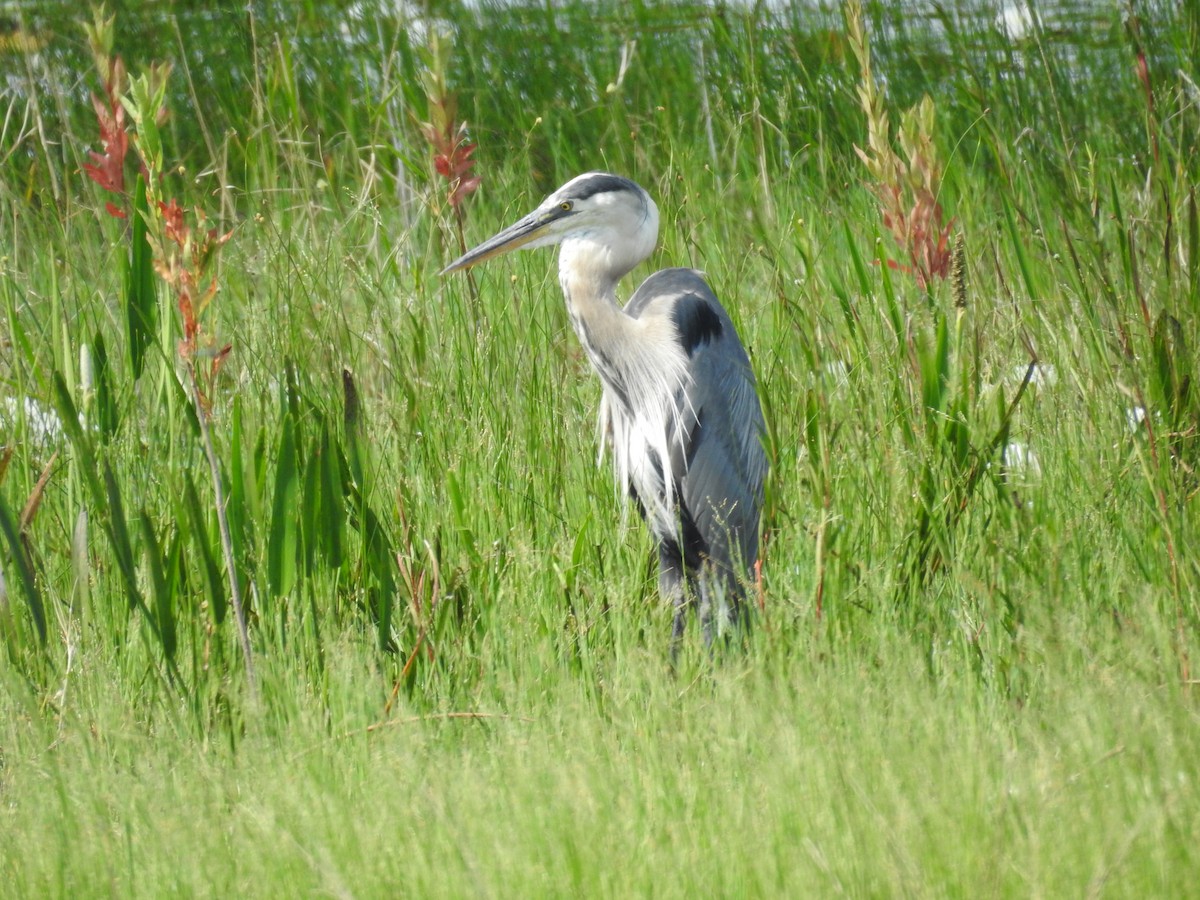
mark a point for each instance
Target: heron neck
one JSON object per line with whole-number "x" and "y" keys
{"x": 602, "y": 326}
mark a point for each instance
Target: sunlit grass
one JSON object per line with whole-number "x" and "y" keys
{"x": 968, "y": 675}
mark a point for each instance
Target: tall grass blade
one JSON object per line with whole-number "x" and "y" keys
{"x": 333, "y": 503}
{"x": 894, "y": 312}
{"x": 118, "y": 533}
{"x": 107, "y": 415}
{"x": 860, "y": 268}
{"x": 80, "y": 443}
{"x": 378, "y": 552}
{"x": 282, "y": 540}
{"x": 141, "y": 306}
{"x": 161, "y": 585}
{"x": 935, "y": 375}
{"x": 243, "y": 496}
{"x": 309, "y": 503}
{"x": 1193, "y": 245}
{"x": 218, "y": 600}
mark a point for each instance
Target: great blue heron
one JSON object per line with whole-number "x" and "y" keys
{"x": 679, "y": 402}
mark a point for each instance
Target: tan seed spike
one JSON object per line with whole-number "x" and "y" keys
{"x": 960, "y": 271}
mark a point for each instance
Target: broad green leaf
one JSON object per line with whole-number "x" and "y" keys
{"x": 160, "y": 586}
{"x": 80, "y": 442}
{"x": 141, "y": 304}
{"x": 333, "y": 503}
{"x": 217, "y": 597}
{"x": 118, "y": 533}
{"x": 282, "y": 542}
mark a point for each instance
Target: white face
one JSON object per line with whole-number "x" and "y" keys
{"x": 603, "y": 223}
{"x": 607, "y": 218}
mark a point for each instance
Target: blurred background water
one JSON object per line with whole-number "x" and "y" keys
{"x": 354, "y": 64}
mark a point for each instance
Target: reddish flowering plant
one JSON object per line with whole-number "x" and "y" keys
{"x": 182, "y": 254}
{"x": 143, "y": 100}
{"x": 906, "y": 187}
{"x": 1141, "y": 69}
{"x": 107, "y": 168}
{"x": 173, "y": 224}
{"x": 908, "y": 205}
{"x": 182, "y": 261}
{"x": 182, "y": 248}
{"x": 452, "y": 160}
{"x": 445, "y": 134}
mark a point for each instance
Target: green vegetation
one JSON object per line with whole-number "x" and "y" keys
{"x": 974, "y": 664}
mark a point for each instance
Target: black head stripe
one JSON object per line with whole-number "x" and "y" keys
{"x": 600, "y": 183}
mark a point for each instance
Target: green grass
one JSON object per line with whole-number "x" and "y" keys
{"x": 967, "y": 677}
{"x": 785, "y": 774}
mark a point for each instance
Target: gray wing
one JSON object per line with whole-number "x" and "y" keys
{"x": 719, "y": 441}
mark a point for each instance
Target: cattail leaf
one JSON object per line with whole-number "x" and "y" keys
{"x": 141, "y": 305}
{"x": 244, "y": 507}
{"x": 1193, "y": 244}
{"x": 379, "y": 559}
{"x": 333, "y": 504}
{"x": 236, "y": 509}
{"x": 281, "y": 542}
{"x": 309, "y": 499}
{"x": 202, "y": 538}
{"x": 352, "y": 423}
{"x": 160, "y": 587}
{"x": 80, "y": 443}
{"x": 118, "y": 534}
{"x": 105, "y": 404}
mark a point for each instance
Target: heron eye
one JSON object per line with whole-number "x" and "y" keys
{"x": 566, "y": 205}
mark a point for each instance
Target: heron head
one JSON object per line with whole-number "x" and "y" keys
{"x": 605, "y": 216}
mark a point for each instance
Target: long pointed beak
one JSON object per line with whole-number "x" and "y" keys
{"x": 511, "y": 238}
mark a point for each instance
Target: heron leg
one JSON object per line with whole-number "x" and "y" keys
{"x": 722, "y": 606}
{"x": 672, "y": 587}
{"x": 710, "y": 604}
